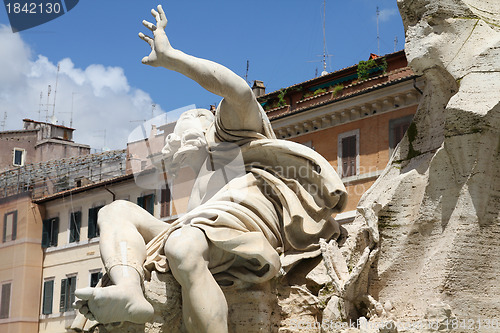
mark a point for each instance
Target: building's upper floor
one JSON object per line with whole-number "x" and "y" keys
{"x": 37, "y": 142}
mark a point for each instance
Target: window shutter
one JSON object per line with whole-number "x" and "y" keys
{"x": 48, "y": 292}
{"x": 349, "y": 156}
{"x": 92, "y": 223}
{"x": 46, "y": 234}
{"x": 75, "y": 225}
{"x": 78, "y": 222}
{"x": 55, "y": 231}
{"x": 5, "y": 302}
{"x": 140, "y": 201}
{"x": 14, "y": 225}
{"x": 4, "y": 228}
{"x": 151, "y": 204}
{"x": 165, "y": 202}
{"x": 72, "y": 288}
{"x": 62, "y": 302}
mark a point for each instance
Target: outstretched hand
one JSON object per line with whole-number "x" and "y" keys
{"x": 160, "y": 45}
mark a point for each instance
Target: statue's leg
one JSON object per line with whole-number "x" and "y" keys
{"x": 203, "y": 303}
{"x": 124, "y": 230}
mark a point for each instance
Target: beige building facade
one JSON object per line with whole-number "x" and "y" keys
{"x": 71, "y": 243}
{"x": 21, "y": 260}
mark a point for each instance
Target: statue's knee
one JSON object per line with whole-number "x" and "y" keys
{"x": 186, "y": 252}
{"x": 109, "y": 212}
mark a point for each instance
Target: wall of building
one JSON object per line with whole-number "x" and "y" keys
{"x": 21, "y": 264}
{"x": 80, "y": 258}
{"x": 41, "y": 142}
{"x": 53, "y": 149}
{"x": 16, "y": 139}
{"x": 373, "y": 148}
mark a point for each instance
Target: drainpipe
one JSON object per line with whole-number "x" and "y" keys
{"x": 114, "y": 195}
{"x": 415, "y": 86}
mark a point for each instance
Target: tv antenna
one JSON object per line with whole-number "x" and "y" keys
{"x": 40, "y": 104}
{"x": 104, "y": 148}
{"x": 378, "y": 34}
{"x": 53, "y": 119}
{"x": 325, "y": 51}
{"x": 71, "y": 112}
{"x": 47, "y": 105}
{"x": 153, "y": 108}
{"x": 395, "y": 43}
{"x": 4, "y": 121}
{"x": 246, "y": 74}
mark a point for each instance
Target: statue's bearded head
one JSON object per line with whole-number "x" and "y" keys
{"x": 188, "y": 138}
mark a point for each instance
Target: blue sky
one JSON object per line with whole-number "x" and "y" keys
{"x": 103, "y": 81}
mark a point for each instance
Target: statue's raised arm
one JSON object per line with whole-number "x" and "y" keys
{"x": 239, "y": 101}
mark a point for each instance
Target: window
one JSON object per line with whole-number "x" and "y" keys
{"x": 147, "y": 202}
{"x": 94, "y": 278}
{"x": 348, "y": 153}
{"x": 9, "y": 226}
{"x": 5, "y": 301}
{"x": 397, "y": 129}
{"x": 75, "y": 221}
{"x": 93, "y": 230}
{"x": 68, "y": 287}
{"x": 50, "y": 232}
{"x": 165, "y": 202}
{"x": 18, "y": 157}
{"x": 48, "y": 294}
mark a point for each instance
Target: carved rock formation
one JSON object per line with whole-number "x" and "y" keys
{"x": 436, "y": 206}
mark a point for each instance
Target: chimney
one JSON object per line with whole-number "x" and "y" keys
{"x": 258, "y": 88}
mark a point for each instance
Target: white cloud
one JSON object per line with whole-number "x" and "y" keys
{"x": 387, "y": 14}
{"x": 100, "y": 97}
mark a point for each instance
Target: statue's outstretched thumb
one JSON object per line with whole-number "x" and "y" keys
{"x": 85, "y": 293}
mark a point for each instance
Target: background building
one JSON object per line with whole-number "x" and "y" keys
{"x": 354, "y": 117}
{"x": 21, "y": 260}
{"x": 38, "y": 142}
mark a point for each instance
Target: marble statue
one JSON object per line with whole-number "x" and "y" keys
{"x": 256, "y": 201}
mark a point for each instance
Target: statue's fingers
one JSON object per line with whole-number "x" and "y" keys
{"x": 85, "y": 293}
{"x": 89, "y": 316}
{"x": 84, "y": 310}
{"x": 163, "y": 17}
{"x": 149, "y": 25}
{"x": 147, "y": 39}
{"x": 155, "y": 15}
{"x": 78, "y": 304}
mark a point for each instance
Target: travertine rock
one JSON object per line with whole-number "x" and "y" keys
{"x": 436, "y": 206}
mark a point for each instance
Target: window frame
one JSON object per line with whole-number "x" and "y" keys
{"x": 23, "y": 156}
{"x": 71, "y": 237}
{"x": 13, "y": 234}
{"x": 47, "y": 308}
{"x": 141, "y": 202}
{"x": 67, "y": 295}
{"x": 392, "y": 124}
{"x": 342, "y": 136}
{"x": 93, "y": 272}
{"x": 9, "y": 305}
{"x": 50, "y": 237}
{"x": 92, "y": 226}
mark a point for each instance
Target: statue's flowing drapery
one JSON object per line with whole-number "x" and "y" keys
{"x": 279, "y": 205}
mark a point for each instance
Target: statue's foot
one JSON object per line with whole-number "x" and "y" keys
{"x": 115, "y": 303}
